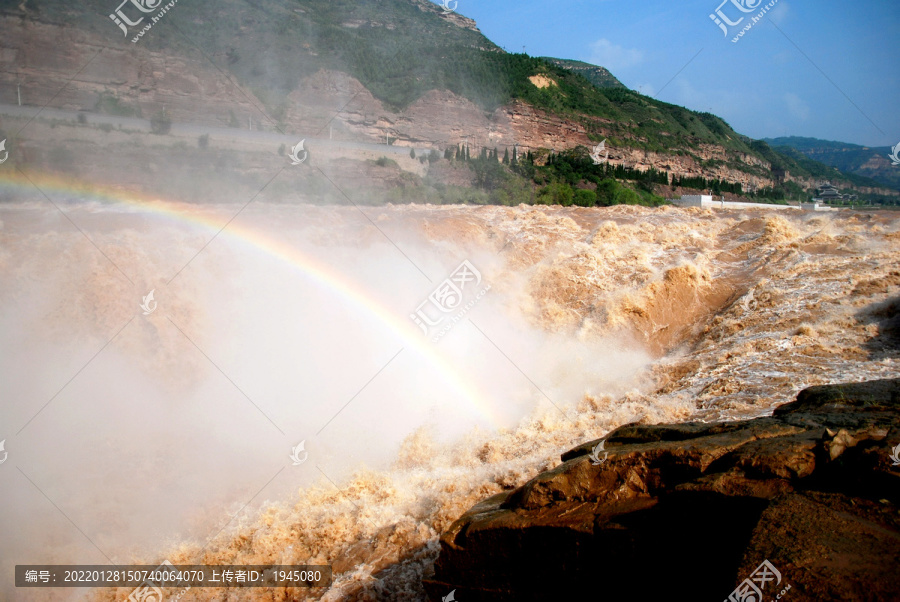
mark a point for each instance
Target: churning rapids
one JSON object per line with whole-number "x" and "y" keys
{"x": 139, "y": 436}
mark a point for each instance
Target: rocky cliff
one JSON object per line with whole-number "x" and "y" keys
{"x": 282, "y": 68}
{"x": 62, "y": 66}
{"x": 801, "y": 505}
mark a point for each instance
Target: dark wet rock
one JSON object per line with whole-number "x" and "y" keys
{"x": 692, "y": 510}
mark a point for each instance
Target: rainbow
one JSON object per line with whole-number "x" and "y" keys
{"x": 400, "y": 325}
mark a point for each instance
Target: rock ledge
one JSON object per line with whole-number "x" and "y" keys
{"x": 695, "y": 508}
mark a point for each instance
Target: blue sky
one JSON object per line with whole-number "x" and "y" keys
{"x": 824, "y": 69}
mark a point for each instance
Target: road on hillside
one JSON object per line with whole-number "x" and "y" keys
{"x": 189, "y": 129}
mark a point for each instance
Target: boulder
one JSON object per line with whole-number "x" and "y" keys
{"x": 802, "y": 504}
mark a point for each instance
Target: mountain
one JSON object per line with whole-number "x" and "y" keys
{"x": 803, "y": 174}
{"x": 405, "y": 71}
{"x": 869, "y": 162}
{"x": 599, "y": 76}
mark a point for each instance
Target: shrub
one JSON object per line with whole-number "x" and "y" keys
{"x": 557, "y": 194}
{"x": 385, "y": 162}
{"x": 606, "y": 192}
{"x": 626, "y": 196}
{"x": 161, "y": 123}
{"x": 109, "y": 103}
{"x": 585, "y": 198}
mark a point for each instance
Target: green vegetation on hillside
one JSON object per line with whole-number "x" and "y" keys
{"x": 800, "y": 165}
{"x": 565, "y": 179}
{"x": 398, "y": 49}
{"x": 870, "y": 164}
{"x": 401, "y": 49}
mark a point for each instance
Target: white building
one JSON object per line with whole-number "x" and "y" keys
{"x": 816, "y": 205}
{"x": 695, "y": 200}
{"x": 705, "y": 200}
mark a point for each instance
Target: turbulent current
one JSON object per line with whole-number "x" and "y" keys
{"x": 294, "y": 392}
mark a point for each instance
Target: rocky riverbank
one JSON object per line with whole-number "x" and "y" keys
{"x": 801, "y": 505}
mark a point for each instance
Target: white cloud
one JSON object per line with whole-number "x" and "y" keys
{"x": 614, "y": 57}
{"x": 796, "y": 106}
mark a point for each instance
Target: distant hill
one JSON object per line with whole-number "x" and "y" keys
{"x": 599, "y": 76}
{"x": 868, "y": 162}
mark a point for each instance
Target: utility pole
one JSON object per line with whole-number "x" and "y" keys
{"x": 19, "y": 93}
